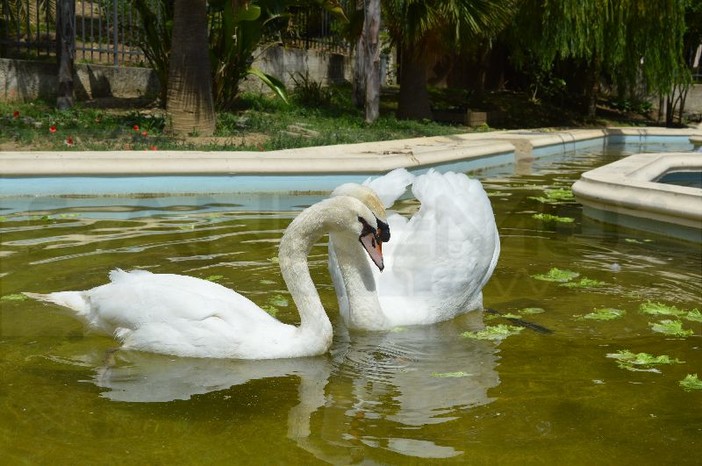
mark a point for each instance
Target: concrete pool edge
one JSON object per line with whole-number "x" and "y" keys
{"x": 373, "y": 157}
{"x": 366, "y": 158}
{"x": 625, "y": 192}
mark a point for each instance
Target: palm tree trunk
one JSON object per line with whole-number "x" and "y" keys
{"x": 359, "y": 70}
{"x": 413, "y": 101}
{"x": 65, "y": 51}
{"x": 371, "y": 31}
{"x": 189, "y": 101}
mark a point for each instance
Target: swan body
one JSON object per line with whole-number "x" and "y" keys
{"x": 187, "y": 316}
{"x": 436, "y": 262}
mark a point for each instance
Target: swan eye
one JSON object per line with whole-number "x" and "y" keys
{"x": 366, "y": 227}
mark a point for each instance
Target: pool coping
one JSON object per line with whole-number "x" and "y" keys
{"x": 370, "y": 157}
{"x": 626, "y": 192}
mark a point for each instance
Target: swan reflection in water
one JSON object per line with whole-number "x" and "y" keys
{"x": 406, "y": 378}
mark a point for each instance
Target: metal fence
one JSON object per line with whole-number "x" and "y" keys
{"x": 108, "y": 31}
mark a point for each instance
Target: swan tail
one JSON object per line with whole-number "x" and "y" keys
{"x": 75, "y": 300}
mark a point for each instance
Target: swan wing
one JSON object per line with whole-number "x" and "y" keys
{"x": 170, "y": 314}
{"x": 443, "y": 255}
{"x": 391, "y": 186}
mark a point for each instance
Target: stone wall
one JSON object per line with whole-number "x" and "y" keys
{"x": 25, "y": 80}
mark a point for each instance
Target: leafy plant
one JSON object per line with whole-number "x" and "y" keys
{"x": 556, "y": 196}
{"x": 236, "y": 30}
{"x": 14, "y": 297}
{"x": 658, "y": 309}
{"x": 691, "y": 382}
{"x": 310, "y": 92}
{"x": 670, "y": 327}
{"x": 155, "y": 40}
{"x": 642, "y": 362}
{"x": 583, "y": 283}
{"x": 553, "y": 218}
{"x": 694, "y": 315}
{"x": 557, "y": 275}
{"x": 566, "y": 277}
{"x": 494, "y": 332}
{"x": 607, "y": 313}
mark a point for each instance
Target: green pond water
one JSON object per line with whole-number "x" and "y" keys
{"x": 411, "y": 396}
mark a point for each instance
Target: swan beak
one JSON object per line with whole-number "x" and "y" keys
{"x": 374, "y": 248}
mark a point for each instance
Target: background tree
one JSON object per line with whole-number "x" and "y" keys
{"x": 155, "y": 40}
{"x": 630, "y": 42}
{"x": 366, "y": 78}
{"x": 65, "y": 51}
{"x": 424, "y": 31}
{"x": 189, "y": 100}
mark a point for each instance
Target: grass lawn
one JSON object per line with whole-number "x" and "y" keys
{"x": 316, "y": 117}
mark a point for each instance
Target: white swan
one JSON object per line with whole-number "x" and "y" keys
{"x": 190, "y": 317}
{"x": 437, "y": 262}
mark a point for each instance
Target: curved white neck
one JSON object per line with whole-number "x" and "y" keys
{"x": 360, "y": 285}
{"x": 315, "y": 330}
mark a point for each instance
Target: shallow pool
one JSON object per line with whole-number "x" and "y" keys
{"x": 414, "y": 395}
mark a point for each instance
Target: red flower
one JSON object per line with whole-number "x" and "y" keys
{"x": 52, "y": 129}
{"x": 153, "y": 148}
{"x": 69, "y": 141}
{"x": 15, "y": 114}
{"x": 144, "y": 133}
{"x": 135, "y": 127}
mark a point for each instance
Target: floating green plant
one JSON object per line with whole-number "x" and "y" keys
{"x": 557, "y": 275}
{"x": 14, "y": 297}
{"x": 566, "y": 277}
{"x": 553, "y": 218}
{"x": 607, "y": 313}
{"x": 214, "y": 278}
{"x": 584, "y": 283}
{"x": 694, "y": 315}
{"x": 658, "y": 309}
{"x": 691, "y": 382}
{"x": 494, "y": 332}
{"x": 493, "y": 314}
{"x": 270, "y": 309}
{"x": 642, "y": 362}
{"x": 274, "y": 303}
{"x": 278, "y": 300}
{"x": 451, "y": 375}
{"x": 556, "y": 196}
{"x": 670, "y": 327}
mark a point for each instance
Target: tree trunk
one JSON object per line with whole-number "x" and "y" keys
{"x": 371, "y": 31}
{"x": 592, "y": 86}
{"x": 413, "y": 101}
{"x": 359, "y": 71}
{"x": 189, "y": 100}
{"x": 65, "y": 51}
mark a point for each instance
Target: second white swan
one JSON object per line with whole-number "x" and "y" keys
{"x": 437, "y": 261}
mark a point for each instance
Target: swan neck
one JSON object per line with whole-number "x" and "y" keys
{"x": 302, "y": 233}
{"x": 364, "y": 309}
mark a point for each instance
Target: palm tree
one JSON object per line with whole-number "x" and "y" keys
{"x": 65, "y": 51}
{"x": 189, "y": 101}
{"x": 424, "y": 31}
